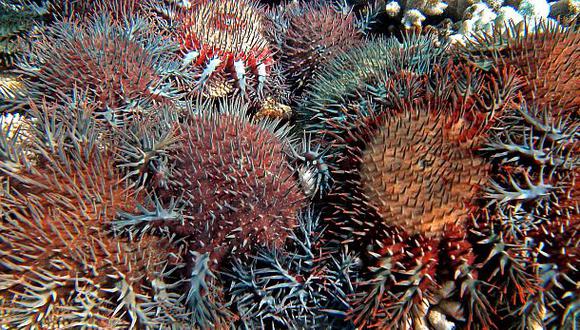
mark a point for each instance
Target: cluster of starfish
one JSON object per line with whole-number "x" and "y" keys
{"x": 226, "y": 164}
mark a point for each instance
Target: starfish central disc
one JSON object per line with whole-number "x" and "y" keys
{"x": 418, "y": 176}
{"x": 226, "y": 26}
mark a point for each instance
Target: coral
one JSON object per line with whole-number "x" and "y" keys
{"x": 60, "y": 264}
{"x": 410, "y": 13}
{"x": 507, "y": 17}
{"x": 413, "y": 19}
{"x": 488, "y": 18}
{"x": 478, "y": 18}
{"x": 414, "y": 12}
{"x": 224, "y": 47}
{"x": 121, "y": 68}
{"x": 433, "y": 7}
{"x": 309, "y": 36}
{"x": 536, "y": 8}
{"x": 392, "y": 8}
{"x": 545, "y": 59}
{"x": 296, "y": 287}
{"x": 457, "y": 8}
{"x": 236, "y": 184}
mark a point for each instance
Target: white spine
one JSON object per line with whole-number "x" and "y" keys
{"x": 262, "y": 75}
{"x": 189, "y": 57}
{"x": 209, "y": 69}
{"x": 240, "y": 68}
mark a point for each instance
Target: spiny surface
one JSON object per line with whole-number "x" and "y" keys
{"x": 223, "y": 42}
{"x": 236, "y": 183}
{"x": 548, "y": 59}
{"x": 456, "y": 111}
{"x": 11, "y": 86}
{"x": 120, "y": 67}
{"x": 220, "y": 25}
{"x": 59, "y": 262}
{"x": 418, "y": 176}
{"x": 307, "y": 288}
{"x": 347, "y": 83}
{"x": 119, "y": 10}
{"x": 17, "y": 20}
{"x": 532, "y": 218}
{"x": 314, "y": 36}
{"x": 407, "y": 177}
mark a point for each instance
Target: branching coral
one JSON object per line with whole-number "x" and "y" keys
{"x": 411, "y": 13}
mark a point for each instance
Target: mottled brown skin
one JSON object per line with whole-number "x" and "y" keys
{"x": 409, "y": 181}
{"x": 420, "y": 173}
{"x": 549, "y": 62}
{"x": 237, "y": 184}
{"x": 418, "y": 176}
{"x": 442, "y": 131}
